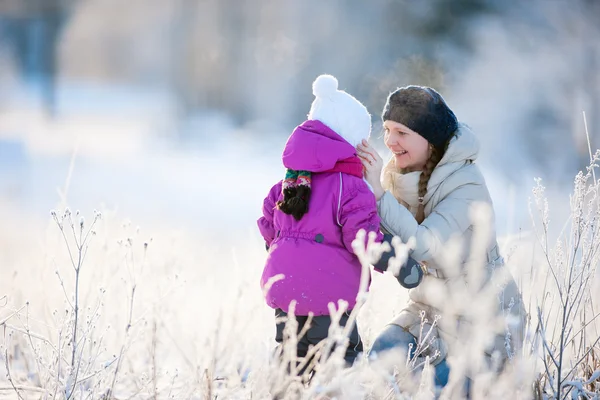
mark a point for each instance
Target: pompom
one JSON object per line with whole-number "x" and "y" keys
{"x": 325, "y": 86}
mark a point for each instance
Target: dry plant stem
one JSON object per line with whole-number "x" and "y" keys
{"x": 9, "y": 376}
{"x": 26, "y": 332}
{"x": 576, "y": 302}
{"x": 572, "y": 273}
{"x": 306, "y": 326}
{"x": 140, "y": 386}
{"x": 88, "y": 334}
{"x": 544, "y": 349}
{"x": 72, "y": 389}
{"x": 136, "y": 393}
{"x": 154, "y": 344}
{"x": 365, "y": 274}
{"x": 30, "y": 341}
{"x": 11, "y": 315}
{"x": 172, "y": 384}
{"x": 565, "y": 316}
{"x": 82, "y": 247}
{"x": 120, "y": 358}
{"x": 63, "y": 193}
{"x": 587, "y": 135}
{"x": 544, "y": 241}
{"x": 312, "y": 355}
{"x": 208, "y": 377}
{"x": 213, "y": 360}
{"x": 76, "y": 310}
{"x": 584, "y": 356}
{"x": 22, "y": 388}
{"x": 62, "y": 284}
{"x": 58, "y": 358}
{"x": 91, "y": 375}
{"x": 81, "y": 244}
{"x": 545, "y": 343}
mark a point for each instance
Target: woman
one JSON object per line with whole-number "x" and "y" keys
{"x": 430, "y": 190}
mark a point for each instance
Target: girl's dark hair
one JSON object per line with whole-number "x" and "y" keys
{"x": 295, "y": 201}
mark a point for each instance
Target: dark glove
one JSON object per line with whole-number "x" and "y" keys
{"x": 410, "y": 274}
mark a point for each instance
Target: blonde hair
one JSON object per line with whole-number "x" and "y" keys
{"x": 434, "y": 159}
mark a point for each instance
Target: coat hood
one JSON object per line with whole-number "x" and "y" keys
{"x": 314, "y": 147}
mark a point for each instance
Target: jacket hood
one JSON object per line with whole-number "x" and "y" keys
{"x": 314, "y": 147}
{"x": 464, "y": 146}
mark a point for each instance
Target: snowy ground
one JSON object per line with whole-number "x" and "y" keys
{"x": 197, "y": 305}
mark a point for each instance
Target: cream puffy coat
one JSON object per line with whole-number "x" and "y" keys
{"x": 467, "y": 284}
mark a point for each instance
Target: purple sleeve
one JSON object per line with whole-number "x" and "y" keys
{"x": 359, "y": 211}
{"x": 265, "y": 223}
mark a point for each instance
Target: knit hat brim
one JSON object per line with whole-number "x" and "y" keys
{"x": 424, "y": 111}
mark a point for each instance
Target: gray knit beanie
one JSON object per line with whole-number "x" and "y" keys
{"x": 424, "y": 111}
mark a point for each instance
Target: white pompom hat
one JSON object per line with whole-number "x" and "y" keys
{"x": 339, "y": 110}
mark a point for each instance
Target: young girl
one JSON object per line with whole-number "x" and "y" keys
{"x": 311, "y": 217}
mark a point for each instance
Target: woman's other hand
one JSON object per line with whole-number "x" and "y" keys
{"x": 372, "y": 165}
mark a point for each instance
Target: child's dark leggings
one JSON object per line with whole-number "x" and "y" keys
{"x": 317, "y": 332}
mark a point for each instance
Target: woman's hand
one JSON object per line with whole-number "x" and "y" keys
{"x": 372, "y": 165}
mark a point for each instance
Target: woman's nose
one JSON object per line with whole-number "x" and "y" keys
{"x": 391, "y": 140}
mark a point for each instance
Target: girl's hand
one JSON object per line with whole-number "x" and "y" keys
{"x": 372, "y": 165}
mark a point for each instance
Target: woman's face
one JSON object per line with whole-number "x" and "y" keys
{"x": 411, "y": 150}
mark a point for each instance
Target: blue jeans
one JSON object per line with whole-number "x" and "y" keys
{"x": 394, "y": 337}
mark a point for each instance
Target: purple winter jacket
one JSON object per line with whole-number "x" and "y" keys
{"x": 315, "y": 253}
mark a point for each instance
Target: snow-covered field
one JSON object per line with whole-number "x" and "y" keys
{"x": 167, "y": 284}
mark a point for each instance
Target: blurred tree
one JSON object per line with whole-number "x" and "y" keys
{"x": 590, "y": 79}
{"x": 32, "y": 29}
{"x": 255, "y": 60}
{"x": 420, "y": 40}
{"x": 247, "y": 58}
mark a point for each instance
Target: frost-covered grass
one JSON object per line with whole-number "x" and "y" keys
{"x": 103, "y": 309}
{"x": 94, "y": 307}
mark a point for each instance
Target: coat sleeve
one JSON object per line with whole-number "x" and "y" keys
{"x": 265, "y": 223}
{"x": 449, "y": 217}
{"x": 358, "y": 210}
